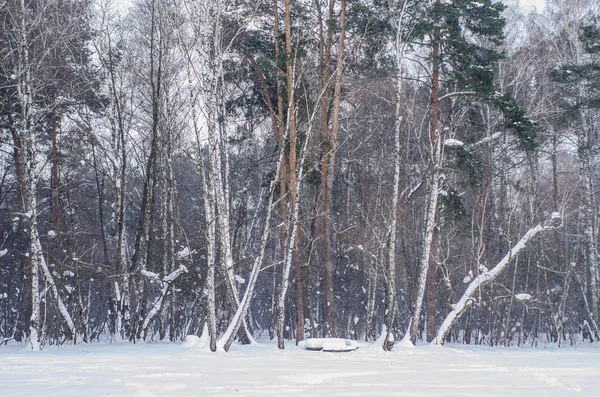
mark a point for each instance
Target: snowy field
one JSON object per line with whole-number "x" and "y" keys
{"x": 262, "y": 370}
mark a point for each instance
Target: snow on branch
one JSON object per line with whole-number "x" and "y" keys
{"x": 176, "y": 273}
{"x": 489, "y": 139}
{"x": 159, "y": 303}
{"x": 168, "y": 278}
{"x": 150, "y": 274}
{"x": 466, "y": 300}
{"x": 455, "y": 94}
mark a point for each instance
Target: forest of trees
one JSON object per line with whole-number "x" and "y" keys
{"x": 294, "y": 169}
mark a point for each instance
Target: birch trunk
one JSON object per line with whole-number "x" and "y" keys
{"x": 436, "y": 156}
{"x": 390, "y": 311}
{"x": 587, "y": 222}
{"x": 159, "y": 304}
{"x": 292, "y": 177}
{"x": 28, "y": 156}
{"x": 229, "y": 335}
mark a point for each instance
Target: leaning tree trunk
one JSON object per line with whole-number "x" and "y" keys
{"x": 467, "y": 299}
{"x": 234, "y": 326}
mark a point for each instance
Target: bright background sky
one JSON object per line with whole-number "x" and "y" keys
{"x": 529, "y": 4}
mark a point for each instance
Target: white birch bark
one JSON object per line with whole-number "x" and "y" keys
{"x": 391, "y": 279}
{"x": 208, "y": 53}
{"x": 287, "y": 265}
{"x": 198, "y": 120}
{"x": 165, "y": 286}
{"x": 50, "y": 281}
{"x": 227, "y": 339}
{"x": 432, "y": 203}
{"x": 29, "y": 155}
{"x": 291, "y": 235}
{"x": 120, "y": 219}
{"x": 25, "y": 92}
{"x": 118, "y": 167}
{"x": 587, "y": 217}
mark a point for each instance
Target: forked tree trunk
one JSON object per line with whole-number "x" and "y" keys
{"x": 229, "y": 335}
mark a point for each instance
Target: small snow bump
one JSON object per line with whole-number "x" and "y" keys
{"x": 451, "y": 142}
{"x": 523, "y": 297}
{"x": 239, "y": 279}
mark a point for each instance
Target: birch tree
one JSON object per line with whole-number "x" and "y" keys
{"x": 32, "y": 44}
{"x": 577, "y": 73}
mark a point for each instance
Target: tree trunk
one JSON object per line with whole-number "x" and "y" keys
{"x": 436, "y": 155}
{"x": 391, "y": 303}
{"x": 328, "y": 169}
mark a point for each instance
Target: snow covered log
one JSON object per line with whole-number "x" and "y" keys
{"x": 485, "y": 277}
{"x": 330, "y": 344}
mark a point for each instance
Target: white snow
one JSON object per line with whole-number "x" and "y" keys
{"x": 329, "y": 344}
{"x": 263, "y": 370}
{"x": 3, "y": 252}
{"x": 184, "y": 253}
{"x": 451, "y": 142}
{"x": 51, "y": 233}
{"x": 523, "y": 297}
{"x": 240, "y": 279}
{"x": 468, "y": 277}
{"x": 190, "y": 341}
{"x": 555, "y": 215}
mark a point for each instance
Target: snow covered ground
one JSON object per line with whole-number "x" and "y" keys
{"x": 262, "y": 370}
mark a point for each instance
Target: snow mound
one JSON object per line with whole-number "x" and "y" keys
{"x": 523, "y": 297}
{"x": 451, "y": 142}
{"x": 205, "y": 335}
{"x": 330, "y": 344}
{"x": 339, "y": 345}
{"x": 144, "y": 393}
{"x": 190, "y": 341}
{"x": 405, "y": 342}
{"x": 378, "y": 344}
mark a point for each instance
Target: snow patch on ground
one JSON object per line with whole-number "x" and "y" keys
{"x": 162, "y": 369}
{"x": 190, "y": 341}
